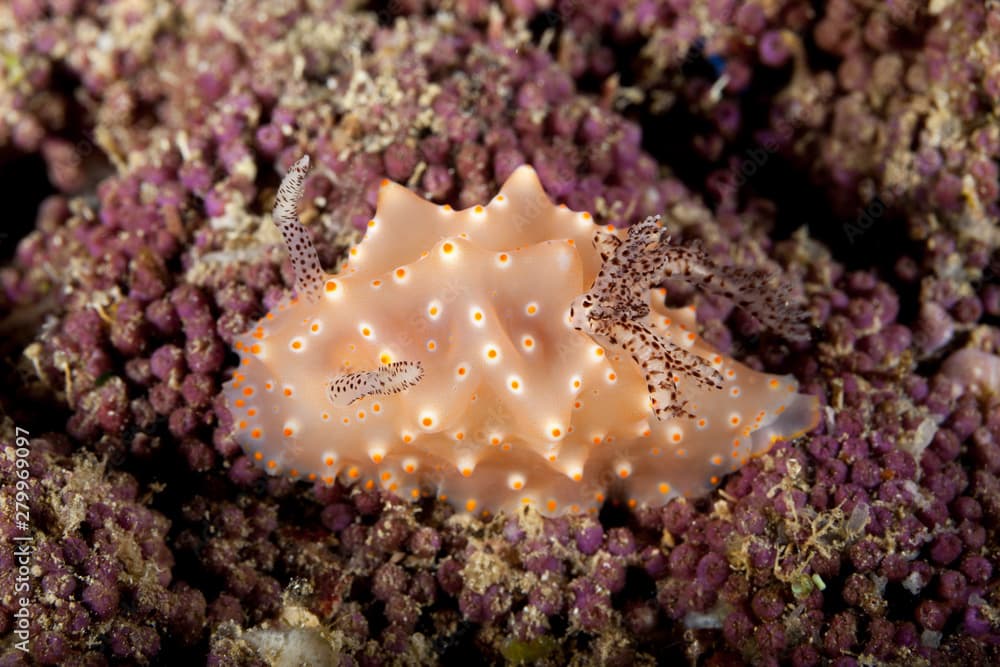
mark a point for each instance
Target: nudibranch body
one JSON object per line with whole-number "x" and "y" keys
{"x": 505, "y": 355}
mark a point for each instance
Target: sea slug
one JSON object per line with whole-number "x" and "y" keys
{"x": 505, "y": 355}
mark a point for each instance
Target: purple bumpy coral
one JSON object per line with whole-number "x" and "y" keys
{"x": 852, "y": 144}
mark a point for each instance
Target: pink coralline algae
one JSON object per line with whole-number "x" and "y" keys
{"x": 977, "y": 372}
{"x": 845, "y": 149}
